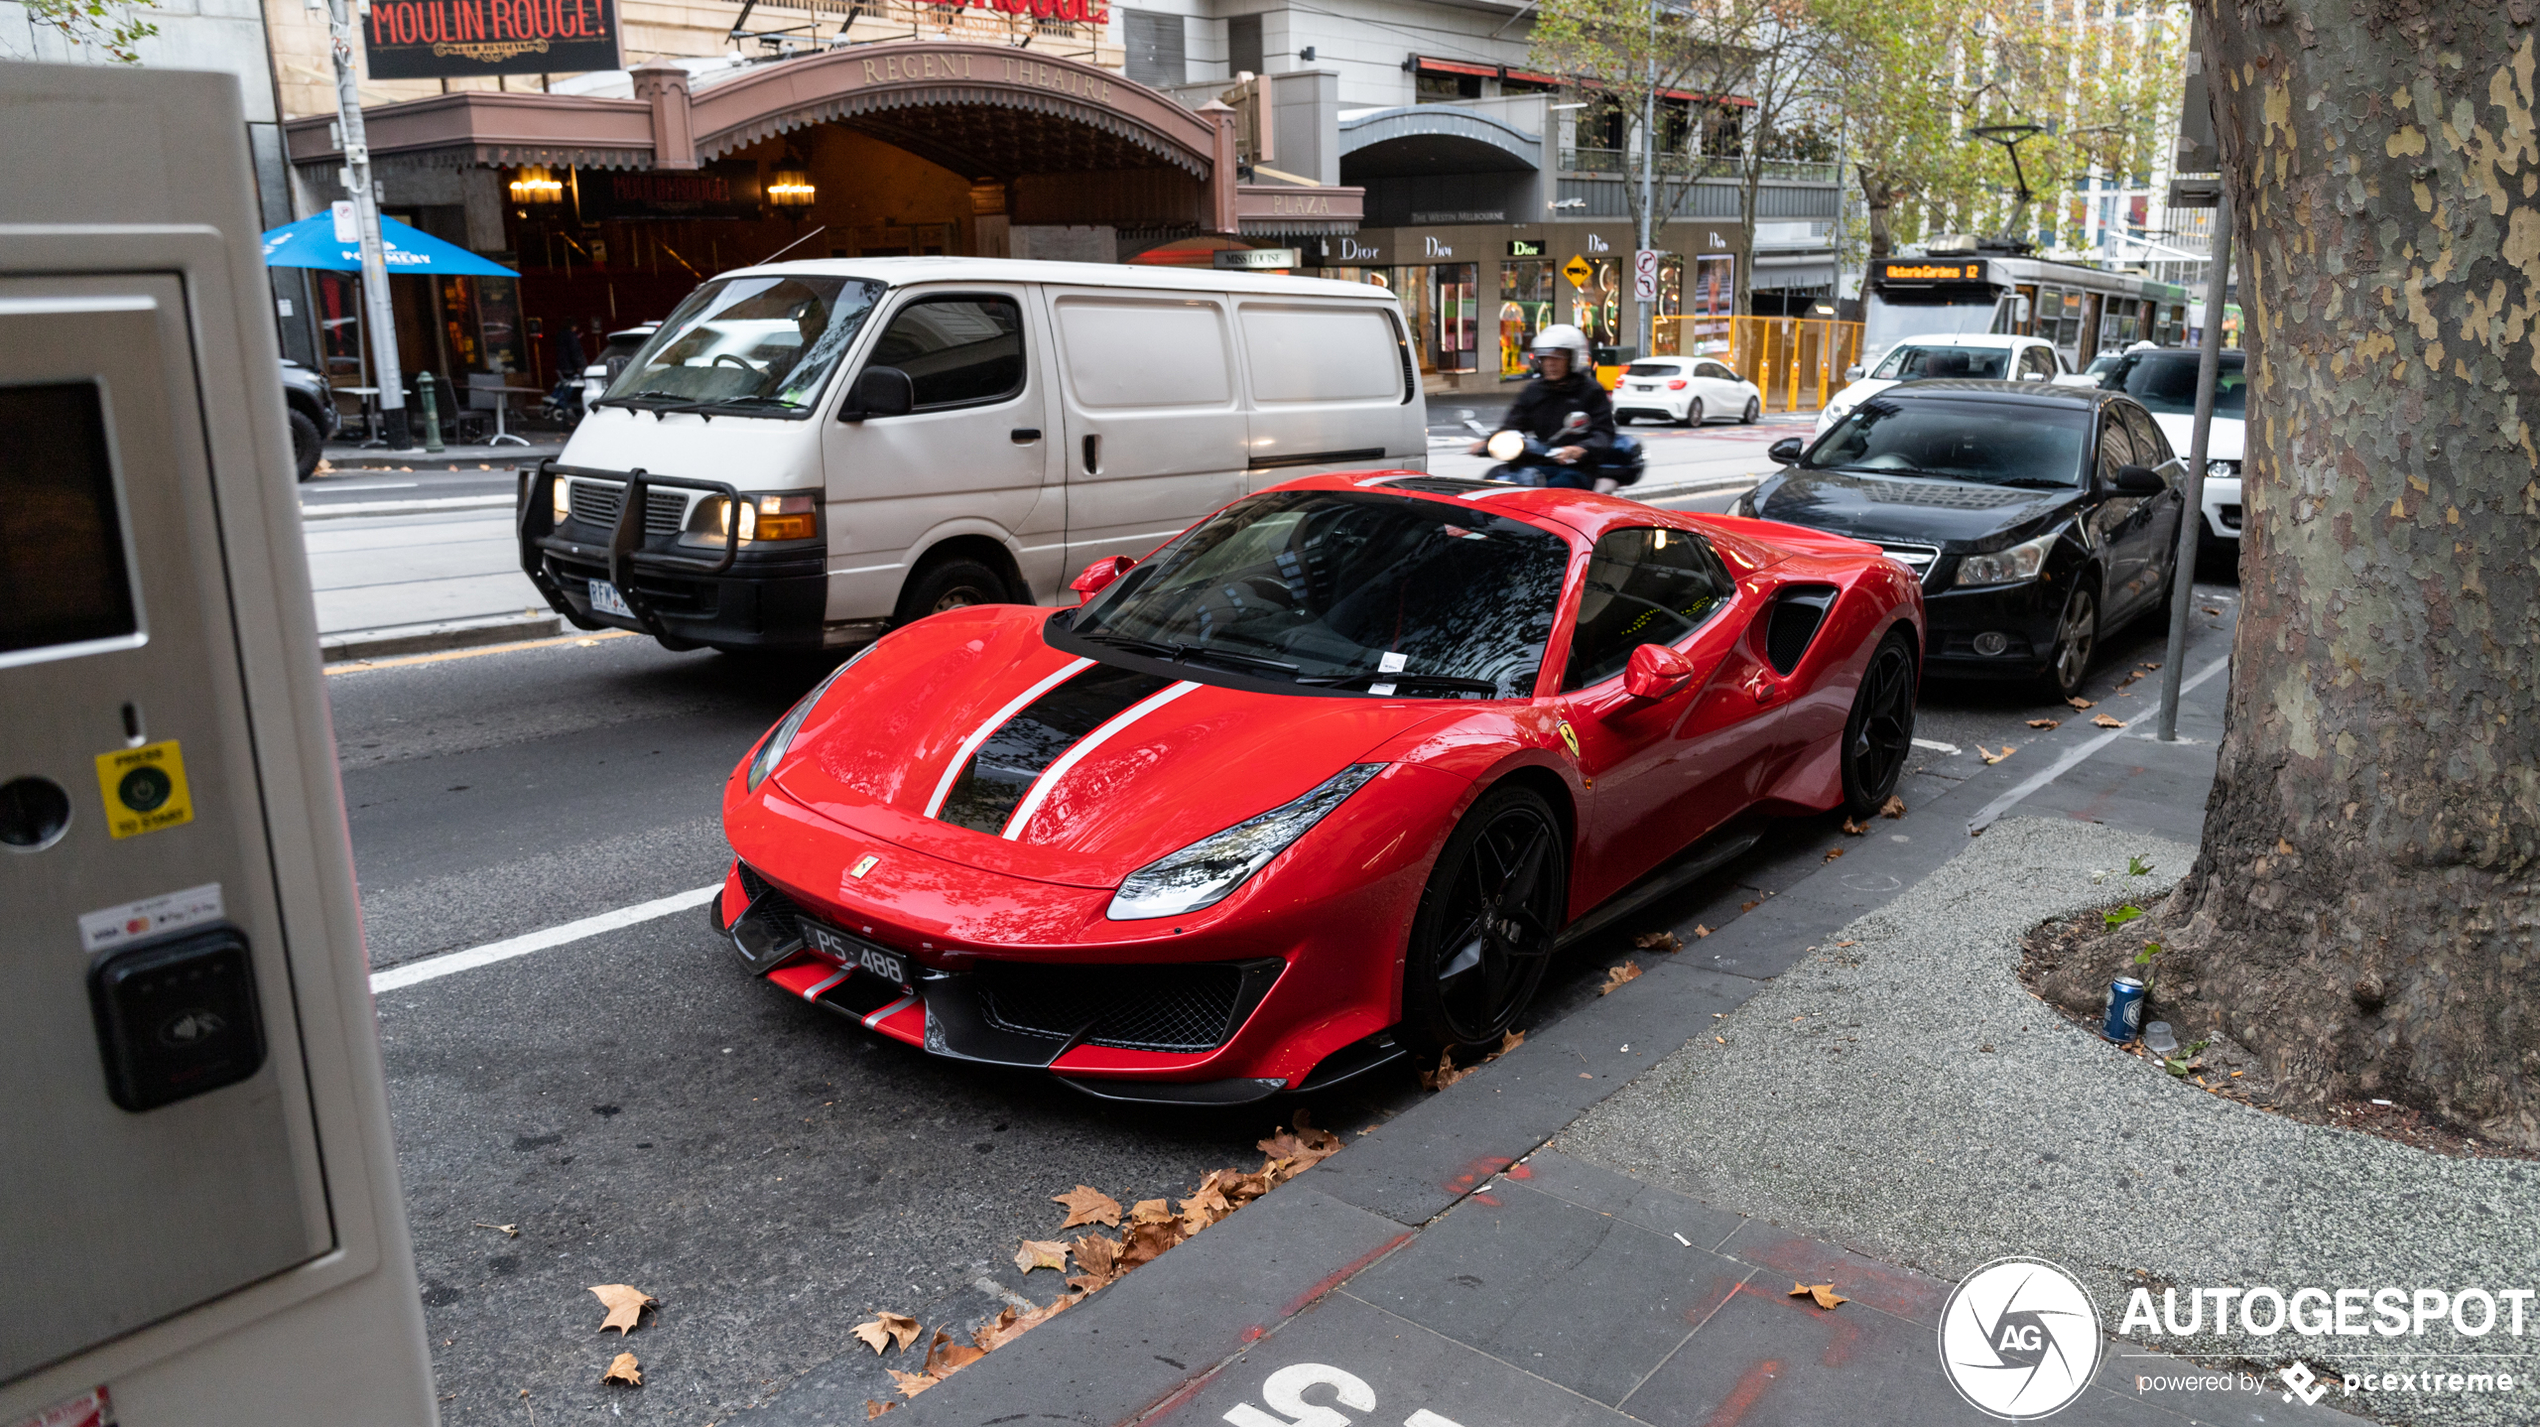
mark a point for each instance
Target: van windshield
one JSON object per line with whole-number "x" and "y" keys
{"x": 759, "y": 346}
{"x": 1348, "y": 591}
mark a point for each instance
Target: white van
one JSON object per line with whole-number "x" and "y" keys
{"x": 900, "y": 436}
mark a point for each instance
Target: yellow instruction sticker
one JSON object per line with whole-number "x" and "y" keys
{"x": 144, "y": 788}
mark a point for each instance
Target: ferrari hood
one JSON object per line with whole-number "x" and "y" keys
{"x": 968, "y": 738}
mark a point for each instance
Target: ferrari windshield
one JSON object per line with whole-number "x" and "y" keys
{"x": 1346, "y": 590}
{"x": 2003, "y": 444}
{"x": 752, "y": 346}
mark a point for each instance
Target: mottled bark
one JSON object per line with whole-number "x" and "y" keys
{"x": 1878, "y": 198}
{"x": 2363, "y": 907}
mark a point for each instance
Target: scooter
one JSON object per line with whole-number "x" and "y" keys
{"x": 1527, "y": 461}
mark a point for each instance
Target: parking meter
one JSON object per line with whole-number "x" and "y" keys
{"x": 199, "y": 1214}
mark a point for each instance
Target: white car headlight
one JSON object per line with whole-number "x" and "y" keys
{"x": 2003, "y": 567}
{"x": 772, "y": 752}
{"x": 1833, "y": 414}
{"x": 1202, "y": 874}
{"x": 2228, "y": 470}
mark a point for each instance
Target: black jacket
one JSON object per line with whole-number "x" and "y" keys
{"x": 1541, "y": 406}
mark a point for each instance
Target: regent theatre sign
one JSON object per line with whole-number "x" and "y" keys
{"x": 439, "y": 39}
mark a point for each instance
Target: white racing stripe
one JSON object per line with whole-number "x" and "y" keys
{"x": 433, "y": 968}
{"x": 812, "y": 992}
{"x": 979, "y": 735}
{"x": 1986, "y": 815}
{"x": 887, "y": 1012}
{"x": 1041, "y": 787}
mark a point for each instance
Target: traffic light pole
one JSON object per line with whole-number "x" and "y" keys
{"x": 380, "y": 312}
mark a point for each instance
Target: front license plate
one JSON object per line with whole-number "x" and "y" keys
{"x": 606, "y": 600}
{"x": 861, "y": 955}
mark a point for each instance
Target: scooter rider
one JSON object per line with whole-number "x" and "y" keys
{"x": 1564, "y": 382}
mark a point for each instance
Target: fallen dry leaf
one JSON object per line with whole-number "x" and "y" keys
{"x": 1508, "y": 1041}
{"x": 1823, "y": 1293}
{"x": 1700, "y": 931}
{"x": 2130, "y": 676}
{"x": 1617, "y": 975}
{"x": 624, "y": 1369}
{"x": 2283, "y": 848}
{"x": 1150, "y": 1211}
{"x": 2151, "y": 666}
{"x": 625, "y": 1304}
{"x": 1041, "y": 1253}
{"x": 2209, "y": 609}
{"x": 2103, "y": 721}
{"x": 912, "y": 1383}
{"x": 2046, "y": 723}
{"x": 1098, "y": 1256}
{"x": 1833, "y": 852}
{"x": 1447, "y": 1073}
{"x": 885, "y": 1327}
{"x": 1658, "y": 941}
{"x": 1748, "y": 906}
{"x": 944, "y": 1357}
{"x": 512, "y": 1229}
{"x": 2078, "y": 703}
{"x": 1894, "y": 807}
{"x": 2125, "y": 693}
{"x": 1088, "y": 1205}
{"x": 1992, "y": 758}
{"x": 1856, "y": 829}
{"x": 873, "y": 1409}
{"x": 1147, "y": 1241}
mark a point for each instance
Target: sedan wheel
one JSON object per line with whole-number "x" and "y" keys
{"x": 1486, "y": 923}
{"x": 1880, "y": 732}
{"x": 2076, "y": 639}
{"x": 1693, "y": 412}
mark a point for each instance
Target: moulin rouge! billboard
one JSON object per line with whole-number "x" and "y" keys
{"x": 441, "y": 39}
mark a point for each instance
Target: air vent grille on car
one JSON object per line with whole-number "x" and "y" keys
{"x": 1158, "y": 1008}
{"x": 598, "y": 502}
{"x": 1794, "y": 621}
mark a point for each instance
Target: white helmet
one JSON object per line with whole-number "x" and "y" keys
{"x": 1562, "y": 337}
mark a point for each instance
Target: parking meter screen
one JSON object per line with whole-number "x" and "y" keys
{"x": 64, "y": 578}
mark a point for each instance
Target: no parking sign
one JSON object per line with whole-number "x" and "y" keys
{"x": 1645, "y": 274}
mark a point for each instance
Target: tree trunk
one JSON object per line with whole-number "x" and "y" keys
{"x": 1879, "y": 200}
{"x": 2362, "y": 909}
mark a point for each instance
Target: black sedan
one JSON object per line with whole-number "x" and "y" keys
{"x": 2038, "y": 518}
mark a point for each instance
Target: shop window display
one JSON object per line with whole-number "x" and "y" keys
{"x": 1526, "y": 306}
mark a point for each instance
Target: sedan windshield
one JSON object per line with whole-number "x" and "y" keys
{"x": 2165, "y": 382}
{"x": 757, "y": 346}
{"x": 1346, "y": 590}
{"x": 1914, "y": 362}
{"x": 2003, "y": 444}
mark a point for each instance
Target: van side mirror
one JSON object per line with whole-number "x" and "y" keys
{"x": 1099, "y": 575}
{"x": 879, "y": 391}
{"x": 1655, "y": 671}
{"x": 1787, "y": 450}
{"x": 2139, "y": 480}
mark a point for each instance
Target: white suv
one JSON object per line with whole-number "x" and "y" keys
{"x": 1980, "y": 356}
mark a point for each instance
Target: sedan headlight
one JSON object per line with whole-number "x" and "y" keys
{"x": 2003, "y": 567}
{"x": 1202, "y": 874}
{"x": 780, "y": 738}
{"x": 2228, "y": 470}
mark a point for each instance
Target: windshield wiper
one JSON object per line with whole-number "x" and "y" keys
{"x": 723, "y": 401}
{"x": 1890, "y": 471}
{"x": 2040, "y": 483}
{"x": 1184, "y": 653}
{"x": 641, "y": 401}
{"x": 1485, "y": 687}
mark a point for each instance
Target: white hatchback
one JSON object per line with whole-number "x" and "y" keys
{"x": 1687, "y": 390}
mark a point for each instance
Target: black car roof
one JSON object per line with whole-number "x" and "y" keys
{"x": 1954, "y": 388}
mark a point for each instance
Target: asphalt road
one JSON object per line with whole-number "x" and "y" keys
{"x": 642, "y": 1112}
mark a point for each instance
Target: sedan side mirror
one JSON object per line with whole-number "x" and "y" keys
{"x": 1655, "y": 671}
{"x": 2139, "y": 480}
{"x": 1852, "y": 373}
{"x": 1787, "y": 450}
{"x": 879, "y": 391}
{"x": 1099, "y": 575}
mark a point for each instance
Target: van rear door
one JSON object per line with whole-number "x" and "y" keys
{"x": 1329, "y": 389}
{"x": 1155, "y": 430}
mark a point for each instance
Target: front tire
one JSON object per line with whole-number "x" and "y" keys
{"x": 951, "y": 584}
{"x": 2076, "y": 640}
{"x": 1880, "y": 732}
{"x": 1486, "y": 924}
{"x": 307, "y": 445}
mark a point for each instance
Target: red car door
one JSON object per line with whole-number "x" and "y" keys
{"x": 1663, "y": 769}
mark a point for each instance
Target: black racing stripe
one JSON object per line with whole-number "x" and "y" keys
{"x": 1015, "y": 756}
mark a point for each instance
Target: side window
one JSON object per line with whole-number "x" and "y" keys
{"x": 1318, "y": 354}
{"x": 1644, "y": 586}
{"x": 2040, "y": 360}
{"x": 2115, "y": 449}
{"x": 1145, "y": 353}
{"x": 957, "y": 351}
{"x": 2151, "y": 446}
{"x": 1718, "y": 372}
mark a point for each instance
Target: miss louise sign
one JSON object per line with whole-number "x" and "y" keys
{"x": 435, "y": 39}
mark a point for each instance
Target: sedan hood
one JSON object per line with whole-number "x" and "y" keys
{"x": 1917, "y": 509}
{"x": 969, "y": 738}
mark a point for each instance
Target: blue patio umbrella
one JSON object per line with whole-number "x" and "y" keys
{"x": 311, "y": 243}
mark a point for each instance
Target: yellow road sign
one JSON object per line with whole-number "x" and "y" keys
{"x": 1576, "y": 270}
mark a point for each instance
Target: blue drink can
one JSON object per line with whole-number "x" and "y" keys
{"x": 2124, "y": 1018}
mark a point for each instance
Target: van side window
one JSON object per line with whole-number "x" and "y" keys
{"x": 957, "y": 351}
{"x": 1645, "y": 585}
{"x": 1332, "y": 353}
{"x": 1145, "y": 353}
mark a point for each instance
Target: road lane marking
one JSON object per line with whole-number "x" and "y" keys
{"x": 328, "y": 509}
{"x": 1936, "y": 746}
{"x": 1986, "y": 815}
{"x": 433, "y": 968}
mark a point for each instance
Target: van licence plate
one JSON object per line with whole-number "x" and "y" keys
{"x": 606, "y": 600}
{"x": 860, "y": 955}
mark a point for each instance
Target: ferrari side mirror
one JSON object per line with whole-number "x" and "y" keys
{"x": 1655, "y": 671}
{"x": 1099, "y": 575}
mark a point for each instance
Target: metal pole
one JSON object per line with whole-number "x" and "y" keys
{"x": 2191, "y": 523}
{"x": 383, "y": 318}
{"x": 1648, "y": 165}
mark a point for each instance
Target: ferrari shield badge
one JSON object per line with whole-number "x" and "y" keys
{"x": 863, "y": 865}
{"x": 1569, "y": 739}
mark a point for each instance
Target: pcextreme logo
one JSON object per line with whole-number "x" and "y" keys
{"x": 2019, "y": 1339}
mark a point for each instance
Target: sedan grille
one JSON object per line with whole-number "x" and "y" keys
{"x": 1917, "y": 558}
{"x": 598, "y": 501}
{"x": 1158, "y": 1008}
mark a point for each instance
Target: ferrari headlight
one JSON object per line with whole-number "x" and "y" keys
{"x": 1202, "y": 874}
{"x": 772, "y": 752}
{"x": 2003, "y": 567}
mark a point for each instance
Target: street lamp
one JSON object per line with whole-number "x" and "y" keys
{"x": 790, "y": 186}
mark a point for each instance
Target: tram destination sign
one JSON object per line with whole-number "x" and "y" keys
{"x": 1912, "y": 272}
{"x": 444, "y": 39}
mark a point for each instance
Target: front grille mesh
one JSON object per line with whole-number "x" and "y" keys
{"x": 598, "y": 502}
{"x": 1158, "y": 1008}
{"x": 755, "y": 887}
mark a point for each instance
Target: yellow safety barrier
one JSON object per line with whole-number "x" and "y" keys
{"x": 1796, "y": 362}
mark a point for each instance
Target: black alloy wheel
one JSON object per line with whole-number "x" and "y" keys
{"x": 1754, "y": 411}
{"x": 2076, "y": 639}
{"x": 1486, "y": 924}
{"x": 1693, "y": 412}
{"x": 1880, "y": 732}
{"x": 952, "y": 584}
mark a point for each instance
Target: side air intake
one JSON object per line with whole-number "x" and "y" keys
{"x": 1794, "y": 622}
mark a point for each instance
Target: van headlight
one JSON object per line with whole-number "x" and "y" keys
{"x": 2004, "y": 567}
{"x": 781, "y": 738}
{"x": 1202, "y": 874}
{"x": 780, "y": 516}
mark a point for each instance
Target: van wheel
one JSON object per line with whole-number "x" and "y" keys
{"x": 307, "y": 446}
{"x": 951, "y": 584}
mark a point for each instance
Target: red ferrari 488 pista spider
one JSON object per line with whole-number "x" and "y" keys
{"x": 1323, "y": 781}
